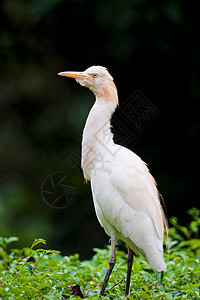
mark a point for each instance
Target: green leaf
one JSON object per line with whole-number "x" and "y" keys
{"x": 38, "y": 241}
{"x": 43, "y": 286}
{"x": 160, "y": 276}
{"x": 2, "y": 242}
{"x": 150, "y": 271}
{"x": 11, "y": 239}
{"x": 53, "y": 252}
{"x": 5, "y": 241}
{"x": 41, "y": 250}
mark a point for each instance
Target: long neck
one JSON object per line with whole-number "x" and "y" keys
{"x": 97, "y": 136}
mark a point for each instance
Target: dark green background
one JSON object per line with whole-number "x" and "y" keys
{"x": 150, "y": 46}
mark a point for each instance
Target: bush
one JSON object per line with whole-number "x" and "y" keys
{"x": 37, "y": 273}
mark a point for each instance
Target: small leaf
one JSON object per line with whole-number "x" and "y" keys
{"x": 38, "y": 241}
{"x": 52, "y": 252}
{"x": 43, "y": 286}
{"x": 11, "y": 239}
{"x": 149, "y": 271}
{"x": 2, "y": 242}
{"x": 41, "y": 251}
{"x": 160, "y": 276}
{"x": 29, "y": 268}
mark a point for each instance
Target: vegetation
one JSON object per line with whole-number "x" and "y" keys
{"x": 37, "y": 273}
{"x": 150, "y": 47}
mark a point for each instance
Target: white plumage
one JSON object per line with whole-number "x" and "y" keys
{"x": 125, "y": 195}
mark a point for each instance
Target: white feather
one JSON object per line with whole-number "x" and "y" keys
{"x": 125, "y": 195}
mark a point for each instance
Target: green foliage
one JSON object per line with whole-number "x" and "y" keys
{"x": 37, "y": 273}
{"x": 183, "y": 237}
{"x": 152, "y": 46}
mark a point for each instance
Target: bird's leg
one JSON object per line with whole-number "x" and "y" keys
{"x": 129, "y": 268}
{"x": 111, "y": 266}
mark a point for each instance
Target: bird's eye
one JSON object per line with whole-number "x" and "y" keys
{"x": 95, "y": 75}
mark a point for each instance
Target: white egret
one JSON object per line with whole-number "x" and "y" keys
{"x": 125, "y": 195}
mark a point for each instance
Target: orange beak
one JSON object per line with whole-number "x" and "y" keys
{"x": 75, "y": 75}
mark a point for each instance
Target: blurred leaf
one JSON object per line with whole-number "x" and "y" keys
{"x": 38, "y": 241}
{"x": 160, "y": 276}
{"x": 2, "y": 242}
{"x": 11, "y": 239}
{"x": 150, "y": 271}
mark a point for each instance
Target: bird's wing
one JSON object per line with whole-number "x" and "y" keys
{"x": 131, "y": 178}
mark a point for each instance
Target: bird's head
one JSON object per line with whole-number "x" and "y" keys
{"x": 96, "y": 78}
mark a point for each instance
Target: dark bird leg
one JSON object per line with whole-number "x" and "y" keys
{"x": 129, "y": 267}
{"x": 111, "y": 266}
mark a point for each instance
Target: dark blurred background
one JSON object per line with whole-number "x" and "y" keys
{"x": 148, "y": 46}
